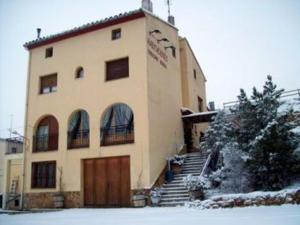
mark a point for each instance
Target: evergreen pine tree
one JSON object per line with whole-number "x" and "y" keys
{"x": 271, "y": 160}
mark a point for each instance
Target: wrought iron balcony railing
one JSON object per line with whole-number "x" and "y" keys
{"x": 78, "y": 139}
{"x": 43, "y": 143}
{"x": 117, "y": 135}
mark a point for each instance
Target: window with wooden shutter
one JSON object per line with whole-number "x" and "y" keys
{"x": 117, "y": 69}
{"x": 43, "y": 174}
{"x": 200, "y": 104}
{"x": 48, "y": 84}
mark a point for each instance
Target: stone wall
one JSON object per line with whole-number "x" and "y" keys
{"x": 291, "y": 196}
{"x": 46, "y": 200}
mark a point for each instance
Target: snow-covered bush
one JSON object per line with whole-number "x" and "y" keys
{"x": 156, "y": 192}
{"x": 196, "y": 183}
{"x": 233, "y": 176}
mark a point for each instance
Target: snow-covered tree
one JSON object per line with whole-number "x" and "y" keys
{"x": 216, "y": 137}
{"x": 255, "y": 142}
{"x": 233, "y": 176}
{"x": 272, "y": 161}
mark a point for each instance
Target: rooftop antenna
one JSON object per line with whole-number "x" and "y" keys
{"x": 169, "y": 6}
{"x": 171, "y": 18}
{"x": 11, "y": 124}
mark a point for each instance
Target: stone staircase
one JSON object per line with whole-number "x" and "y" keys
{"x": 174, "y": 193}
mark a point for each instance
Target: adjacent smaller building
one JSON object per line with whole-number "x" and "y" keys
{"x": 11, "y": 166}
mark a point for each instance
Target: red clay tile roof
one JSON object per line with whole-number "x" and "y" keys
{"x": 117, "y": 19}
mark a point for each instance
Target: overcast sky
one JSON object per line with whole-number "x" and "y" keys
{"x": 237, "y": 42}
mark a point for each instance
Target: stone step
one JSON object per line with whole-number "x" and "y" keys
{"x": 175, "y": 192}
{"x": 168, "y": 189}
{"x": 166, "y": 196}
{"x": 172, "y": 204}
{"x": 194, "y": 173}
{"x": 173, "y": 185}
{"x": 176, "y": 199}
{"x": 190, "y": 172}
{"x": 194, "y": 162}
{"x": 192, "y": 167}
{"x": 193, "y": 159}
{"x": 184, "y": 175}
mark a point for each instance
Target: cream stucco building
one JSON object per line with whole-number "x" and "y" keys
{"x": 11, "y": 165}
{"x": 104, "y": 109}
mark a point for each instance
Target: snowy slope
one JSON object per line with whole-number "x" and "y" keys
{"x": 272, "y": 215}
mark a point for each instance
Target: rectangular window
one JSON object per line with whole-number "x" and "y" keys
{"x": 195, "y": 74}
{"x": 43, "y": 174}
{"x": 49, "y": 52}
{"x": 174, "y": 52}
{"x": 200, "y": 104}
{"x": 116, "y": 34}
{"x": 48, "y": 84}
{"x": 117, "y": 69}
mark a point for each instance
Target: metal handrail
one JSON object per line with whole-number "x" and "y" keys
{"x": 284, "y": 95}
{"x": 205, "y": 165}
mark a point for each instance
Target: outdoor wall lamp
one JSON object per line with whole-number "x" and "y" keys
{"x": 155, "y": 31}
{"x": 163, "y": 39}
{"x": 171, "y": 46}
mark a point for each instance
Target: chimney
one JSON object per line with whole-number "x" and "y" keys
{"x": 38, "y": 33}
{"x": 211, "y": 106}
{"x": 171, "y": 20}
{"x": 147, "y": 5}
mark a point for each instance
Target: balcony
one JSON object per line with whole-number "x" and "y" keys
{"x": 79, "y": 139}
{"x": 117, "y": 135}
{"x": 44, "y": 143}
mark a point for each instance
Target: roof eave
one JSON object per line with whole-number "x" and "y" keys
{"x": 71, "y": 33}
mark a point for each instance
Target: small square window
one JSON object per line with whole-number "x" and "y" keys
{"x": 49, "y": 52}
{"x": 116, "y": 34}
{"x": 174, "y": 52}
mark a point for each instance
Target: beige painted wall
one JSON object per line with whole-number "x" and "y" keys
{"x": 164, "y": 99}
{"x": 191, "y": 87}
{"x": 14, "y": 167}
{"x": 92, "y": 94}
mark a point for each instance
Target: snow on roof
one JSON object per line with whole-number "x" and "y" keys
{"x": 200, "y": 114}
{"x": 185, "y": 109}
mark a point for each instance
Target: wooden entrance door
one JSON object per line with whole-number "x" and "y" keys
{"x": 107, "y": 182}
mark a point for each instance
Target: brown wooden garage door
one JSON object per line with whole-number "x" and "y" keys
{"x": 107, "y": 182}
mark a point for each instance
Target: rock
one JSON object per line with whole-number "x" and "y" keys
{"x": 289, "y": 200}
{"x": 238, "y": 202}
{"x": 215, "y": 206}
{"x": 248, "y": 203}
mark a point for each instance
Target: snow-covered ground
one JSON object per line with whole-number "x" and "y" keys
{"x": 271, "y": 215}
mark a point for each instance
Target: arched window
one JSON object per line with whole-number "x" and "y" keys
{"x": 117, "y": 125}
{"x": 79, "y": 73}
{"x": 78, "y": 130}
{"x": 46, "y": 135}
